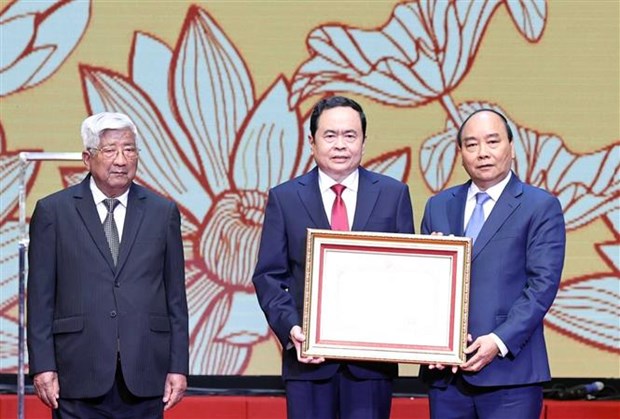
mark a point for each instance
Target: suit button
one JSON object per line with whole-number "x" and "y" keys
{"x": 113, "y": 313}
{"x": 117, "y": 284}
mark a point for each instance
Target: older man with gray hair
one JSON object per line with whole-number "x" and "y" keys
{"x": 107, "y": 310}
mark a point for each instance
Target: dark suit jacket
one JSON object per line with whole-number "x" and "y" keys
{"x": 383, "y": 204}
{"x": 82, "y": 310}
{"x": 516, "y": 268}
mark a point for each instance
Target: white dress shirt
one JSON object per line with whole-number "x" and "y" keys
{"x": 349, "y": 195}
{"x": 119, "y": 212}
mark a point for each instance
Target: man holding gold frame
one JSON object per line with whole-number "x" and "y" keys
{"x": 519, "y": 241}
{"x": 340, "y": 194}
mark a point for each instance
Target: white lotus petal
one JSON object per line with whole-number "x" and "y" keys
{"x": 21, "y": 32}
{"x": 63, "y": 29}
{"x": 10, "y": 167}
{"x": 395, "y": 164}
{"x": 588, "y": 310}
{"x": 246, "y": 323}
{"x": 269, "y": 146}
{"x": 150, "y": 70}
{"x": 213, "y": 93}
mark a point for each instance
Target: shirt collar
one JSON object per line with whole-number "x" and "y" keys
{"x": 351, "y": 182}
{"x": 494, "y": 191}
{"x": 99, "y": 196}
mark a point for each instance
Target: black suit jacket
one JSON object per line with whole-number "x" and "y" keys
{"x": 82, "y": 311}
{"x": 383, "y": 205}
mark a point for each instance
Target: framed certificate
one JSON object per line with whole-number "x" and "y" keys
{"x": 386, "y": 297}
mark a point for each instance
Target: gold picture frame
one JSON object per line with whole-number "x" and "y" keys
{"x": 386, "y": 297}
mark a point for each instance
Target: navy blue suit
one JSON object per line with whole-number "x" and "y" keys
{"x": 383, "y": 205}
{"x": 83, "y": 312}
{"x": 517, "y": 263}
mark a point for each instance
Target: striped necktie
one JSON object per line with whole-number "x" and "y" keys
{"x": 110, "y": 229}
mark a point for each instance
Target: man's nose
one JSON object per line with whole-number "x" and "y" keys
{"x": 120, "y": 158}
{"x": 340, "y": 141}
{"x": 483, "y": 151}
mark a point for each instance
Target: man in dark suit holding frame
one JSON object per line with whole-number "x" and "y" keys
{"x": 519, "y": 242}
{"x": 341, "y": 194}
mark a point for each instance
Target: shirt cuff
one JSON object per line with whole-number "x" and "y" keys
{"x": 503, "y": 350}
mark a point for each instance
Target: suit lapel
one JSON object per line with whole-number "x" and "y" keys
{"x": 507, "y": 203}
{"x": 311, "y": 199}
{"x": 85, "y": 206}
{"x": 456, "y": 210}
{"x": 367, "y": 195}
{"x": 133, "y": 219}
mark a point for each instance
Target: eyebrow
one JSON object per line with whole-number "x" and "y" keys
{"x": 346, "y": 131}
{"x": 474, "y": 138}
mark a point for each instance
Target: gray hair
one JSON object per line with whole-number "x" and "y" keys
{"x": 95, "y": 125}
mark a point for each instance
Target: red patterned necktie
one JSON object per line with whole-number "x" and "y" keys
{"x": 340, "y": 220}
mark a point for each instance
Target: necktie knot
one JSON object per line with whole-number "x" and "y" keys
{"x": 482, "y": 197}
{"x": 477, "y": 218}
{"x": 110, "y": 204}
{"x": 338, "y": 188}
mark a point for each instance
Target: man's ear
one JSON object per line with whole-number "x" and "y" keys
{"x": 86, "y": 156}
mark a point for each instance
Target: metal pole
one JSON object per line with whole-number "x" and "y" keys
{"x": 21, "y": 386}
{"x": 25, "y": 158}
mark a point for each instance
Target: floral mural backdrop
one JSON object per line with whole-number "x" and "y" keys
{"x": 220, "y": 92}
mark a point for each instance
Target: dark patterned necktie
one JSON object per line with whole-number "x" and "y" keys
{"x": 109, "y": 227}
{"x": 340, "y": 221}
{"x": 477, "y": 217}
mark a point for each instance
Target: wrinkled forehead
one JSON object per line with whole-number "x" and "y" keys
{"x": 114, "y": 135}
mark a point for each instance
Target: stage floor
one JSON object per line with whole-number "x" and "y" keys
{"x": 271, "y": 407}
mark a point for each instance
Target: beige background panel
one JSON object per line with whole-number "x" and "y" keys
{"x": 567, "y": 84}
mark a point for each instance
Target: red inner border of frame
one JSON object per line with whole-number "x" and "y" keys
{"x": 355, "y": 344}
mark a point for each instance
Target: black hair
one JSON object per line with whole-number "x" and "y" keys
{"x": 508, "y": 130}
{"x": 335, "y": 102}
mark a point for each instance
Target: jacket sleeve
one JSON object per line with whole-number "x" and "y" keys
{"x": 272, "y": 276}
{"x": 41, "y": 293}
{"x": 545, "y": 249}
{"x": 174, "y": 277}
{"x": 405, "y": 212}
